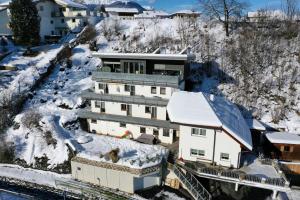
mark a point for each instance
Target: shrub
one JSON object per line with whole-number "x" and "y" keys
{"x": 31, "y": 119}
{"x": 113, "y": 154}
{"x": 7, "y": 153}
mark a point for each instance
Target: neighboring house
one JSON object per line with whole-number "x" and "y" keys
{"x": 131, "y": 94}
{"x": 186, "y": 14}
{"x": 152, "y": 14}
{"x": 285, "y": 146}
{"x": 57, "y": 18}
{"x": 124, "y": 10}
{"x": 4, "y": 22}
{"x": 211, "y": 128}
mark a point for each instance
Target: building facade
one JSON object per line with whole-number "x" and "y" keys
{"x": 131, "y": 94}
{"x": 57, "y": 18}
{"x": 4, "y": 22}
{"x": 212, "y": 130}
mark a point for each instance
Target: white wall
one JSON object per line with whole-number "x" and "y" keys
{"x": 223, "y": 144}
{"x": 140, "y": 90}
{"x": 114, "y": 108}
{"x": 114, "y": 179}
{"x": 4, "y": 23}
{"x": 46, "y": 27}
{"x": 114, "y": 129}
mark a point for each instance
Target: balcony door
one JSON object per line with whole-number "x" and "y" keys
{"x": 129, "y": 110}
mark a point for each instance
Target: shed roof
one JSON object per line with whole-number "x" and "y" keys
{"x": 283, "y": 138}
{"x": 201, "y": 109}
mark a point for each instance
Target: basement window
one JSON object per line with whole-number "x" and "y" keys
{"x": 97, "y": 104}
{"x": 123, "y": 125}
{"x": 224, "y": 156}
{"x": 155, "y": 132}
{"x": 147, "y": 109}
{"x": 94, "y": 121}
{"x": 127, "y": 88}
{"x": 166, "y": 132}
{"x": 78, "y": 168}
{"x": 101, "y": 86}
{"x": 162, "y": 90}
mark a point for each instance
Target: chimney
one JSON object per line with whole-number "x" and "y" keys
{"x": 212, "y": 97}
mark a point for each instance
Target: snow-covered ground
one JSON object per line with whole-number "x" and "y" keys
{"x": 31, "y": 175}
{"x": 56, "y": 101}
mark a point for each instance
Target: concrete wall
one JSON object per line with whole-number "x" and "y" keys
{"x": 110, "y": 178}
{"x": 114, "y": 108}
{"x": 140, "y": 90}
{"x": 223, "y": 143}
{"x": 4, "y": 22}
{"x": 114, "y": 129}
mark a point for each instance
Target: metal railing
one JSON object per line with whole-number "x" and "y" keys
{"x": 192, "y": 184}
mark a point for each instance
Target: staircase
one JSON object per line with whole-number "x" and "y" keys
{"x": 193, "y": 186}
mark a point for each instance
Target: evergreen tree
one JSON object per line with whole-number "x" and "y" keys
{"x": 25, "y": 22}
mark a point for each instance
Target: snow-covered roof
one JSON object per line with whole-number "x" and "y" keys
{"x": 131, "y": 154}
{"x": 152, "y": 14}
{"x": 203, "y": 109}
{"x": 124, "y": 7}
{"x": 70, "y": 3}
{"x": 255, "y": 124}
{"x": 283, "y": 138}
{"x": 267, "y": 13}
{"x": 147, "y": 56}
{"x": 187, "y": 12}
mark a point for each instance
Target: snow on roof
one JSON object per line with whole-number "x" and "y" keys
{"x": 255, "y": 124}
{"x": 189, "y": 12}
{"x": 267, "y": 13}
{"x": 152, "y": 14}
{"x": 208, "y": 110}
{"x": 126, "y": 6}
{"x": 70, "y": 3}
{"x": 132, "y": 154}
{"x": 283, "y": 138}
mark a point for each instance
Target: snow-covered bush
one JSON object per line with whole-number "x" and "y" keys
{"x": 31, "y": 119}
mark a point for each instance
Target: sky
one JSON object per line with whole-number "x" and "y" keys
{"x": 172, "y": 5}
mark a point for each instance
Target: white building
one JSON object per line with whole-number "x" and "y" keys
{"x": 124, "y": 9}
{"x": 4, "y": 22}
{"x": 152, "y": 14}
{"x": 57, "y": 18}
{"x": 186, "y": 14}
{"x": 131, "y": 94}
{"x": 211, "y": 128}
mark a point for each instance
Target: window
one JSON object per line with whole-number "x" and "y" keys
{"x": 78, "y": 168}
{"x": 147, "y": 109}
{"x": 62, "y": 20}
{"x": 197, "y": 152}
{"x": 162, "y": 90}
{"x": 41, "y": 8}
{"x": 142, "y": 130}
{"x": 97, "y": 104}
{"x": 123, "y": 107}
{"x": 94, "y": 121}
{"x": 51, "y": 22}
{"x": 198, "y": 132}
{"x": 101, "y": 86}
{"x": 73, "y": 20}
{"x": 166, "y": 133}
{"x": 127, "y": 88}
{"x": 155, "y": 132}
{"x": 286, "y": 149}
{"x": 153, "y": 90}
{"x": 224, "y": 156}
{"x": 123, "y": 125}
{"x": 52, "y": 32}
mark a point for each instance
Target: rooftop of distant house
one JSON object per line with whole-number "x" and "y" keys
{"x": 283, "y": 138}
{"x": 126, "y": 6}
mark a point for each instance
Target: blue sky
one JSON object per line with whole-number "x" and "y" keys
{"x": 171, "y": 5}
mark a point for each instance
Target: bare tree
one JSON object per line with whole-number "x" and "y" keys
{"x": 224, "y": 10}
{"x": 290, "y": 9}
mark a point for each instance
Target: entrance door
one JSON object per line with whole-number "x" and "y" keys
{"x": 132, "y": 90}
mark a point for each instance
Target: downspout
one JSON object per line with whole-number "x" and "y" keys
{"x": 214, "y": 147}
